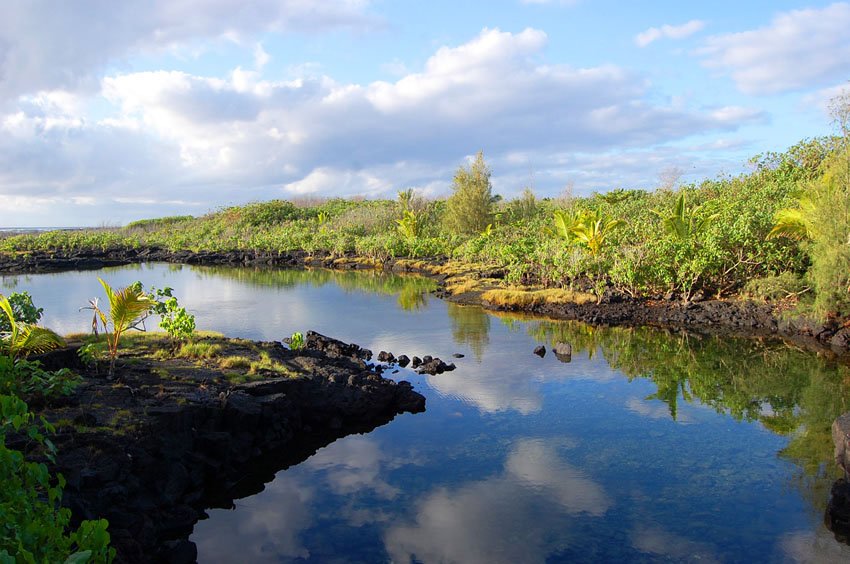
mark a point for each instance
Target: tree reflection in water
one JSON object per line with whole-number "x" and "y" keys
{"x": 789, "y": 391}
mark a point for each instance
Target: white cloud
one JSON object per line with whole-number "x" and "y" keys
{"x": 799, "y": 49}
{"x": 178, "y": 136}
{"x": 667, "y": 31}
{"x": 823, "y": 97}
{"x": 46, "y": 45}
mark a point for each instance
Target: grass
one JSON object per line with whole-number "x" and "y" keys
{"x": 522, "y": 298}
{"x": 234, "y": 362}
{"x": 199, "y": 350}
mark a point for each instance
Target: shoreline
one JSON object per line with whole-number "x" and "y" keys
{"x": 740, "y": 318}
{"x": 171, "y": 438}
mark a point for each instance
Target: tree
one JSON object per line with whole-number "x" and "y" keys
{"x": 470, "y": 207}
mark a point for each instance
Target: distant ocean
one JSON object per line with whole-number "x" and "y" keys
{"x": 19, "y": 230}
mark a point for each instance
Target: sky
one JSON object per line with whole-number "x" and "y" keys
{"x": 116, "y": 111}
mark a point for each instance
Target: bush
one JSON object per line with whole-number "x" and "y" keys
{"x": 470, "y": 208}
{"x": 23, "y": 311}
{"x": 35, "y": 528}
{"x": 775, "y": 287}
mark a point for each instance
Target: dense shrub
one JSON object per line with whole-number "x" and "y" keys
{"x": 469, "y": 210}
{"x": 35, "y": 528}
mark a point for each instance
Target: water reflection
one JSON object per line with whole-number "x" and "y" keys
{"x": 412, "y": 291}
{"x": 789, "y": 391}
{"x": 483, "y": 521}
{"x": 688, "y": 445}
{"x": 670, "y": 547}
{"x": 266, "y": 529}
{"x": 276, "y": 525}
{"x": 471, "y": 327}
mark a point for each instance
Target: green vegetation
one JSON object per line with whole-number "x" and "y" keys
{"x": 469, "y": 209}
{"x": 22, "y": 338}
{"x": 296, "y": 341}
{"x": 127, "y": 308}
{"x": 35, "y": 528}
{"x": 23, "y": 311}
{"x": 787, "y": 217}
{"x": 174, "y": 320}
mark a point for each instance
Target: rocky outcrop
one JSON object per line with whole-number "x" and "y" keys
{"x": 181, "y": 446}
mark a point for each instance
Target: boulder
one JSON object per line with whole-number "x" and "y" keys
{"x": 540, "y": 351}
{"x": 563, "y": 352}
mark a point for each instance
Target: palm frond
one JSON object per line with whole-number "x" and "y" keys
{"x": 793, "y": 223}
{"x": 32, "y": 339}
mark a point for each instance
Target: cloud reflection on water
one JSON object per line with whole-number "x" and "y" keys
{"x": 521, "y": 515}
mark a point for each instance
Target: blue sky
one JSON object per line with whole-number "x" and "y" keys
{"x": 115, "y": 111}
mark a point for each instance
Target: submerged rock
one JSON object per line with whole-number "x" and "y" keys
{"x": 563, "y": 352}
{"x": 435, "y": 366}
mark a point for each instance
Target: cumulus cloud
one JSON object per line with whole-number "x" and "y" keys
{"x": 179, "y": 136}
{"x": 799, "y": 49}
{"x": 667, "y": 31}
{"x": 477, "y": 522}
{"x": 47, "y": 45}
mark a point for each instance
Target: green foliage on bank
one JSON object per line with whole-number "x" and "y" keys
{"x": 34, "y": 527}
{"x": 712, "y": 238}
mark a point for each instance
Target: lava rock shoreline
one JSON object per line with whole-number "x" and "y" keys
{"x": 152, "y": 450}
{"x": 734, "y": 317}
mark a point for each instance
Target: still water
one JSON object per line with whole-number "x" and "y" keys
{"x": 648, "y": 446}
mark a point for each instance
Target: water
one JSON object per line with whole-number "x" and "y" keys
{"x": 648, "y": 446}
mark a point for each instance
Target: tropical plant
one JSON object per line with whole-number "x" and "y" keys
{"x": 565, "y": 221}
{"x": 470, "y": 207}
{"x": 409, "y": 226}
{"x": 296, "y": 341}
{"x": 35, "y": 526}
{"x": 22, "y": 377}
{"x": 684, "y": 222}
{"x": 593, "y": 228}
{"x": 174, "y": 319}
{"x": 405, "y": 198}
{"x": 128, "y": 308}
{"x": 24, "y": 339}
{"x": 795, "y": 223}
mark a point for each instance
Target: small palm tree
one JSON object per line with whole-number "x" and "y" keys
{"x": 25, "y": 339}
{"x": 683, "y": 222}
{"x": 128, "y": 308}
{"x": 593, "y": 228}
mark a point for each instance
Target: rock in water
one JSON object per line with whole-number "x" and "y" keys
{"x": 540, "y": 351}
{"x": 563, "y": 351}
{"x": 403, "y": 360}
